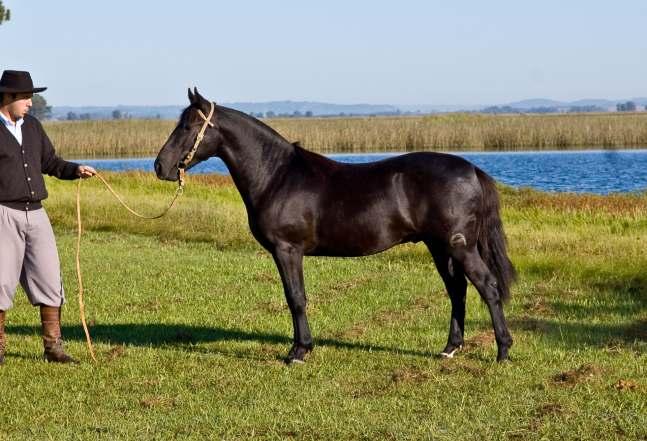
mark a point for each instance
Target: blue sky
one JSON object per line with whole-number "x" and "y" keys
{"x": 379, "y": 52}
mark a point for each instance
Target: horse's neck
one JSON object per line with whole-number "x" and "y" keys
{"x": 254, "y": 156}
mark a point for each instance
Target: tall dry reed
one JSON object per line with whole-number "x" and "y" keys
{"x": 120, "y": 138}
{"x": 457, "y": 131}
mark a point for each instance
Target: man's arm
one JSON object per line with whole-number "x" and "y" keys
{"x": 53, "y": 165}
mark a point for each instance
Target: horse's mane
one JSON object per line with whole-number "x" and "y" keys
{"x": 233, "y": 114}
{"x": 311, "y": 159}
{"x": 272, "y": 134}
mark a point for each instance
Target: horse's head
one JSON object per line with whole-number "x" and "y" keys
{"x": 184, "y": 147}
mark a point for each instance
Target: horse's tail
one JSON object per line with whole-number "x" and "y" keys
{"x": 492, "y": 240}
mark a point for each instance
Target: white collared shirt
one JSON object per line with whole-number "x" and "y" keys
{"x": 15, "y": 129}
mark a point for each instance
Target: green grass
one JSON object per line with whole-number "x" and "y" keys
{"x": 457, "y": 131}
{"x": 190, "y": 324}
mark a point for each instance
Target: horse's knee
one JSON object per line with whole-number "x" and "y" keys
{"x": 297, "y": 304}
{"x": 300, "y": 308}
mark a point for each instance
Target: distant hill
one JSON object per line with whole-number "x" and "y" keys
{"x": 535, "y": 103}
{"x": 319, "y": 109}
{"x": 313, "y": 108}
{"x": 292, "y": 108}
{"x": 437, "y": 108}
{"x": 639, "y": 101}
{"x": 594, "y": 102}
{"x": 602, "y": 103}
{"x": 105, "y": 112}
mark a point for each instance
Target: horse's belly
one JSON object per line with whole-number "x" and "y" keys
{"x": 354, "y": 240}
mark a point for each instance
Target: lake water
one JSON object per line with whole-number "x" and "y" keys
{"x": 584, "y": 171}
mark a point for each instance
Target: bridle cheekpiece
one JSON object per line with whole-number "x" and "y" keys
{"x": 187, "y": 159}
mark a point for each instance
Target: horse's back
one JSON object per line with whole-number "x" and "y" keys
{"x": 420, "y": 177}
{"x": 431, "y": 166}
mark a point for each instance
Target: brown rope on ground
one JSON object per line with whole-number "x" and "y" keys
{"x": 178, "y": 192}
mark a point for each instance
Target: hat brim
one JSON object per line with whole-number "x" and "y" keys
{"x": 12, "y": 90}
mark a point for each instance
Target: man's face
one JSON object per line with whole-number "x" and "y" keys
{"x": 16, "y": 106}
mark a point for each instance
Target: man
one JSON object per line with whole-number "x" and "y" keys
{"x": 28, "y": 252}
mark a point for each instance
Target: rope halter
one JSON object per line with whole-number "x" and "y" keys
{"x": 185, "y": 162}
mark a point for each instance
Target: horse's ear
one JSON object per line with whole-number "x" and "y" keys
{"x": 198, "y": 98}
{"x": 191, "y": 97}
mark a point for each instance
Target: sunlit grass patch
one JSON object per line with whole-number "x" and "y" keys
{"x": 190, "y": 324}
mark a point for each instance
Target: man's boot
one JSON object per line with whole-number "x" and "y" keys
{"x": 50, "y": 317}
{"x": 2, "y": 337}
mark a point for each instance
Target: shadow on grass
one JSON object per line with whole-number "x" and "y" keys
{"x": 164, "y": 335}
{"x": 605, "y": 293}
{"x": 580, "y": 334}
{"x": 620, "y": 294}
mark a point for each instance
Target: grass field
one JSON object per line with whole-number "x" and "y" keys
{"x": 456, "y": 131}
{"x": 190, "y": 325}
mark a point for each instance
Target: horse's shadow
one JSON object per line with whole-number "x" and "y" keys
{"x": 580, "y": 332}
{"x": 629, "y": 291}
{"x": 188, "y": 336}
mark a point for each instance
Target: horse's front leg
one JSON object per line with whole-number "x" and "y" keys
{"x": 289, "y": 261}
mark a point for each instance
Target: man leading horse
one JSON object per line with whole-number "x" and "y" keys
{"x": 28, "y": 253}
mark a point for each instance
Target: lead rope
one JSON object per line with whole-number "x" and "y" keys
{"x": 78, "y": 272}
{"x": 178, "y": 192}
{"x": 180, "y": 189}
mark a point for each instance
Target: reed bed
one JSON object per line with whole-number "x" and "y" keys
{"x": 109, "y": 138}
{"x": 446, "y": 132}
{"x": 461, "y": 131}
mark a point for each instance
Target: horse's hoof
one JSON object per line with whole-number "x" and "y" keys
{"x": 297, "y": 355}
{"x": 449, "y": 351}
{"x": 502, "y": 355}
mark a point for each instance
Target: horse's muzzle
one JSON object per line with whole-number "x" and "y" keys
{"x": 166, "y": 173}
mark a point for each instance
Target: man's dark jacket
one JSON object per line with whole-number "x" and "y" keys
{"x": 21, "y": 167}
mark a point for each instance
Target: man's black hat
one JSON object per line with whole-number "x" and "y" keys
{"x": 17, "y": 81}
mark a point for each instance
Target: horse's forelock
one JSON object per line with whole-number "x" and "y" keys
{"x": 189, "y": 115}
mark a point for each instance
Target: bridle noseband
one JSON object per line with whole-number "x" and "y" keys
{"x": 189, "y": 156}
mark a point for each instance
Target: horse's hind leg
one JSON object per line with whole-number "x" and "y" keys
{"x": 486, "y": 284}
{"x": 290, "y": 265}
{"x": 452, "y": 274}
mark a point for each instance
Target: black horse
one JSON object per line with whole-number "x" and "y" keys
{"x": 300, "y": 203}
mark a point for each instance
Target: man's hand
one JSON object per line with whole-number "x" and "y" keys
{"x": 85, "y": 171}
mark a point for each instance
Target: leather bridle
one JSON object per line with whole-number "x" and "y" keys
{"x": 189, "y": 156}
